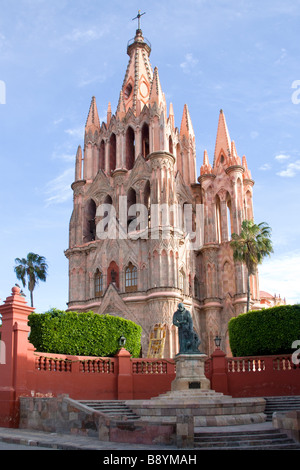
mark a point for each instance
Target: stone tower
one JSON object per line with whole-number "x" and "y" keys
{"x": 145, "y": 232}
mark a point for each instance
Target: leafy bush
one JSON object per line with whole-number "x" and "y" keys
{"x": 265, "y": 332}
{"x": 82, "y": 334}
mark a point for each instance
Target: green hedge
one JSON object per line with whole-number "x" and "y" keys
{"x": 82, "y": 334}
{"x": 265, "y": 332}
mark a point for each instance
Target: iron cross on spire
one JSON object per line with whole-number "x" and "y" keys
{"x": 138, "y": 17}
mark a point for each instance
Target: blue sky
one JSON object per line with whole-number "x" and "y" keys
{"x": 241, "y": 56}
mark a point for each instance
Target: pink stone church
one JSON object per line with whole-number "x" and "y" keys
{"x": 124, "y": 265}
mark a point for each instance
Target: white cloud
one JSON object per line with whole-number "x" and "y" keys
{"x": 78, "y": 37}
{"x": 189, "y": 64}
{"x": 282, "y": 157}
{"x": 282, "y": 56}
{"x": 85, "y": 35}
{"x": 77, "y": 132}
{"x": 59, "y": 189}
{"x": 90, "y": 80}
{"x": 57, "y": 121}
{"x": 2, "y": 41}
{"x": 281, "y": 275}
{"x": 265, "y": 167}
{"x": 63, "y": 156}
{"x": 291, "y": 170}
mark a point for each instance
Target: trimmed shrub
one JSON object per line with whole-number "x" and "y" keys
{"x": 82, "y": 334}
{"x": 265, "y": 332}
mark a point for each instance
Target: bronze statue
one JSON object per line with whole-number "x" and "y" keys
{"x": 188, "y": 339}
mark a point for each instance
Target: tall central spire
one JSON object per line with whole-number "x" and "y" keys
{"x": 139, "y": 74}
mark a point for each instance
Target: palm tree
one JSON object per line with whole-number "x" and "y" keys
{"x": 251, "y": 246}
{"x": 31, "y": 269}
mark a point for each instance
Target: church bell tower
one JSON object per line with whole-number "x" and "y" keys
{"x": 131, "y": 252}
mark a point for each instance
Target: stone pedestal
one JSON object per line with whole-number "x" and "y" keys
{"x": 190, "y": 373}
{"x": 191, "y": 402}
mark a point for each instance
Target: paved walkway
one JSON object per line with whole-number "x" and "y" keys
{"x": 243, "y": 427}
{"x": 69, "y": 441}
{"x": 59, "y": 441}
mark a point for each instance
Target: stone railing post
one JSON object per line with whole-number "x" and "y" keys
{"x": 219, "y": 379}
{"x": 13, "y": 373}
{"x": 125, "y": 378}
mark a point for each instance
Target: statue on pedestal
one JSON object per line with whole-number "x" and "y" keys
{"x": 188, "y": 339}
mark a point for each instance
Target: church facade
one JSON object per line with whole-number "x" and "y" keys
{"x": 147, "y": 231}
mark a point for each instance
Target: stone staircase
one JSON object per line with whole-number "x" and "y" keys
{"x": 115, "y": 409}
{"x": 266, "y": 439}
{"x": 281, "y": 405}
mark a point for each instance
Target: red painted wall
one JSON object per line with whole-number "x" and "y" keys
{"x": 26, "y": 372}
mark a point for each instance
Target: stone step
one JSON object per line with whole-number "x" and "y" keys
{"x": 254, "y": 447}
{"x": 113, "y": 408}
{"x": 238, "y": 434}
{"x": 283, "y": 397}
{"x": 265, "y": 439}
{"x": 281, "y": 404}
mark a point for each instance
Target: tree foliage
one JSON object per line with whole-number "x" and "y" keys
{"x": 265, "y": 332}
{"x": 83, "y": 334}
{"x": 30, "y": 270}
{"x": 251, "y": 246}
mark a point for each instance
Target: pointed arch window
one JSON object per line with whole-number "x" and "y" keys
{"x": 128, "y": 91}
{"x": 89, "y": 228}
{"x": 102, "y": 156}
{"x": 112, "y": 152}
{"x": 170, "y": 145}
{"x": 145, "y": 140}
{"x": 113, "y": 274}
{"x": 131, "y": 278}
{"x": 229, "y": 217}
{"x": 131, "y": 201}
{"x": 130, "y": 148}
{"x": 147, "y": 201}
{"x": 228, "y": 204}
{"x": 218, "y": 219}
{"x": 98, "y": 283}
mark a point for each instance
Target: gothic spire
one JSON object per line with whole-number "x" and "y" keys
{"x": 171, "y": 116}
{"x": 223, "y": 141}
{"x": 206, "y": 167}
{"x": 156, "y": 94}
{"x": 121, "y": 110}
{"x": 108, "y": 114}
{"x": 78, "y": 165}
{"x": 138, "y": 78}
{"x": 186, "y": 128}
{"x": 247, "y": 172}
{"x": 93, "y": 122}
